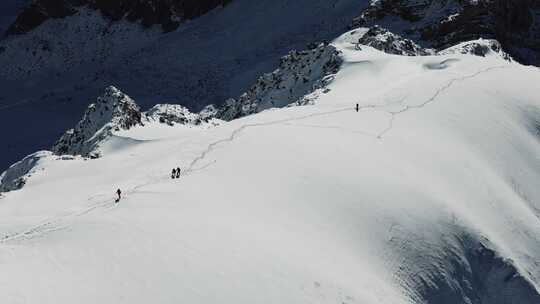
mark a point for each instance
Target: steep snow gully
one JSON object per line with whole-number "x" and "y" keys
{"x": 53, "y": 224}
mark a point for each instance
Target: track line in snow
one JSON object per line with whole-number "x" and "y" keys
{"x": 380, "y": 135}
{"x": 238, "y": 130}
{"x": 437, "y": 93}
{"x": 53, "y": 223}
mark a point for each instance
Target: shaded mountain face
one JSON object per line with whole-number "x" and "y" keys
{"x": 9, "y": 10}
{"x": 442, "y": 23}
{"x": 167, "y": 13}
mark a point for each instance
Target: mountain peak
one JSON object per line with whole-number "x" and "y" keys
{"x": 112, "y": 111}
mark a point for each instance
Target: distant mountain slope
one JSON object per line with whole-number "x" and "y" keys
{"x": 50, "y": 73}
{"x": 166, "y": 13}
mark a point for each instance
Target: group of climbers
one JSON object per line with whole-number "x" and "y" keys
{"x": 176, "y": 171}
{"x": 174, "y": 174}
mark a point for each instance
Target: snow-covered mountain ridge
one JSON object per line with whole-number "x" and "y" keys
{"x": 300, "y": 79}
{"x": 79, "y": 47}
{"x": 114, "y": 111}
{"x": 427, "y": 194}
{"x": 60, "y": 65}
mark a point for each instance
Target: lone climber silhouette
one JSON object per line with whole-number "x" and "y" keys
{"x": 119, "y": 193}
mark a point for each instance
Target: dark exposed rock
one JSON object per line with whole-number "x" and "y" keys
{"x": 383, "y": 40}
{"x": 443, "y": 23}
{"x": 171, "y": 114}
{"x": 167, "y": 13}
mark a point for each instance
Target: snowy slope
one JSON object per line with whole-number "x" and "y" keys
{"x": 429, "y": 194}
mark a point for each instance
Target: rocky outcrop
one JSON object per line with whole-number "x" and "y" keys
{"x": 15, "y": 177}
{"x": 299, "y": 73}
{"x": 166, "y": 13}
{"x": 481, "y": 47}
{"x": 113, "y": 111}
{"x": 383, "y": 40}
{"x": 172, "y": 114}
{"x": 444, "y": 23}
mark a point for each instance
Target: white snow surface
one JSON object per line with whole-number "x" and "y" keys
{"x": 310, "y": 204}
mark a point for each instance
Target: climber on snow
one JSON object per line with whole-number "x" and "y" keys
{"x": 173, "y": 174}
{"x": 178, "y": 172}
{"x": 357, "y": 107}
{"x": 119, "y": 193}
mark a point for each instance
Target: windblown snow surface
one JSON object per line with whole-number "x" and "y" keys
{"x": 428, "y": 194}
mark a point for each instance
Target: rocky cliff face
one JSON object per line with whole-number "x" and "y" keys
{"x": 443, "y": 23}
{"x": 166, "y": 13}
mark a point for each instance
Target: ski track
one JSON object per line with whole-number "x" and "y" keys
{"x": 51, "y": 224}
{"x": 380, "y": 135}
{"x": 437, "y": 93}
